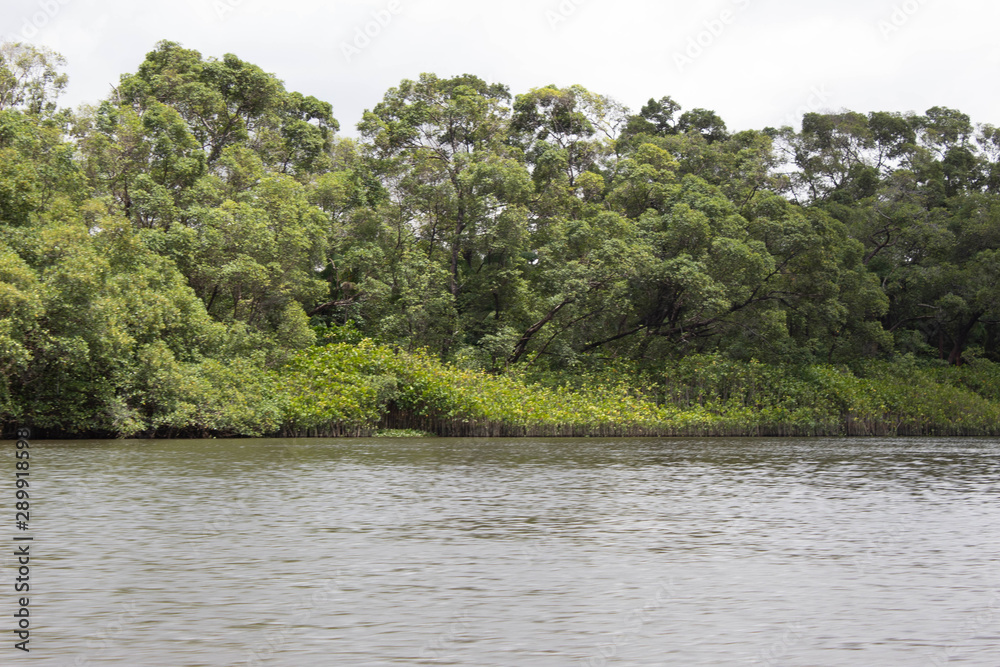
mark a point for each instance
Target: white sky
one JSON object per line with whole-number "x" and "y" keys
{"x": 766, "y": 62}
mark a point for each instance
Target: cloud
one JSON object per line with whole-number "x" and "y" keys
{"x": 761, "y": 67}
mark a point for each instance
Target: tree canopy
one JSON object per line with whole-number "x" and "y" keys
{"x": 186, "y": 235}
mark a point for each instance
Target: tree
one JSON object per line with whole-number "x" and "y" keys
{"x": 656, "y": 118}
{"x": 705, "y": 122}
{"x": 147, "y": 162}
{"x": 232, "y": 102}
{"x": 943, "y": 282}
{"x": 30, "y": 79}
{"x": 440, "y": 145}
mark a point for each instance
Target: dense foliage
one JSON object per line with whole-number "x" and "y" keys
{"x": 200, "y": 253}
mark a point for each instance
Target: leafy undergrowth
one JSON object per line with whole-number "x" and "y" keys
{"x": 359, "y": 389}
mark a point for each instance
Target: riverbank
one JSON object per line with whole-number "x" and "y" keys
{"x": 700, "y": 395}
{"x": 362, "y": 389}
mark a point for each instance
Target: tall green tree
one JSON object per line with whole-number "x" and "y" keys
{"x": 441, "y": 145}
{"x": 232, "y": 102}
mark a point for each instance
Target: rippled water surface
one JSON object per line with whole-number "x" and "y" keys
{"x": 514, "y": 552}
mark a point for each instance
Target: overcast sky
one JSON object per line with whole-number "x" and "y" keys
{"x": 755, "y": 62}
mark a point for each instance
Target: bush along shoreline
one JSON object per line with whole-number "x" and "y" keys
{"x": 366, "y": 389}
{"x": 341, "y": 389}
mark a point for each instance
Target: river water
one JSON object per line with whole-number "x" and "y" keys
{"x": 534, "y": 552}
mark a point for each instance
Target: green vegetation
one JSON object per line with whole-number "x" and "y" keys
{"x": 201, "y": 254}
{"x": 360, "y": 387}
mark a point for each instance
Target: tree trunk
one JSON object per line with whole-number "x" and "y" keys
{"x": 961, "y": 338}
{"x": 522, "y": 345}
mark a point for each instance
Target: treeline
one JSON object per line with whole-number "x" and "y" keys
{"x": 183, "y": 257}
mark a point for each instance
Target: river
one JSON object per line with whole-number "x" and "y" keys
{"x": 520, "y": 552}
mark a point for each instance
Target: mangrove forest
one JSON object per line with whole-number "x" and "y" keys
{"x": 204, "y": 253}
